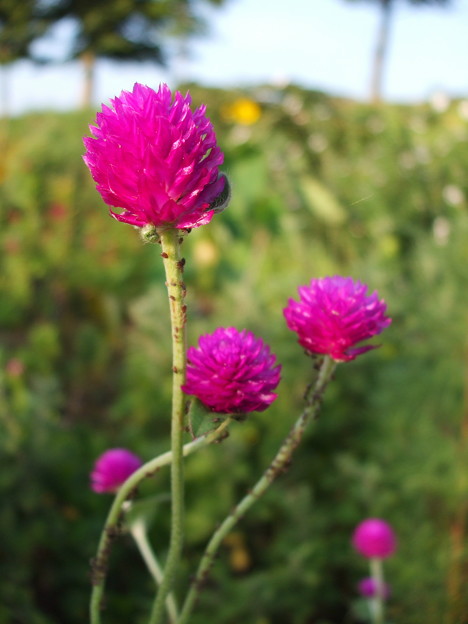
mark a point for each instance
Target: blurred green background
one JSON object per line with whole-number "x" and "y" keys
{"x": 320, "y": 186}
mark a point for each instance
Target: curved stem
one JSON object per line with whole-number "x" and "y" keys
{"x": 277, "y": 466}
{"x": 138, "y": 531}
{"x": 173, "y": 265}
{"x": 112, "y": 526}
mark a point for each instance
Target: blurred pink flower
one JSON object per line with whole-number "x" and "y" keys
{"x": 368, "y": 588}
{"x": 374, "y": 538}
{"x": 112, "y": 468}
{"x": 232, "y": 372}
{"x": 156, "y": 159}
{"x": 58, "y": 211}
{"x": 333, "y": 315}
{"x": 14, "y": 367}
{"x": 12, "y": 245}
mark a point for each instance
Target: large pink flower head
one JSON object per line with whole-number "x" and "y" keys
{"x": 232, "y": 372}
{"x": 334, "y": 314}
{"x": 156, "y": 159}
{"x": 374, "y": 538}
{"x": 113, "y": 468}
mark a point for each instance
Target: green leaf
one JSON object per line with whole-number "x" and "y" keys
{"x": 201, "y": 420}
{"x": 321, "y": 201}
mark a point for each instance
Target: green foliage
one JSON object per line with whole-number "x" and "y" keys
{"x": 19, "y": 27}
{"x": 320, "y": 186}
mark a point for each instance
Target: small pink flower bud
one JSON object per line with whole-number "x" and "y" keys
{"x": 113, "y": 468}
{"x": 374, "y": 538}
{"x": 367, "y": 587}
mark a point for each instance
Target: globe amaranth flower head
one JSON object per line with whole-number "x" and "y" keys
{"x": 155, "y": 158}
{"x": 367, "y": 587}
{"x": 374, "y": 538}
{"x": 333, "y": 315}
{"x": 113, "y": 468}
{"x": 232, "y": 372}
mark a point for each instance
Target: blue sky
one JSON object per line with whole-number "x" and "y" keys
{"x": 321, "y": 44}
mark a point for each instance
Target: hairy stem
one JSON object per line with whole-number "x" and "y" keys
{"x": 115, "y": 516}
{"x": 174, "y": 265}
{"x": 278, "y": 465}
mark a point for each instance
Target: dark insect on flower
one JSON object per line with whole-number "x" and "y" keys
{"x": 221, "y": 202}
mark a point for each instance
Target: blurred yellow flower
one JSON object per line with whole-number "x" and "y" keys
{"x": 239, "y": 557}
{"x": 206, "y": 253}
{"x": 242, "y": 111}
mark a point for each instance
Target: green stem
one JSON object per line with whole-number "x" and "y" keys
{"x": 173, "y": 265}
{"x": 278, "y": 465}
{"x": 138, "y": 531}
{"x": 112, "y": 526}
{"x": 377, "y": 601}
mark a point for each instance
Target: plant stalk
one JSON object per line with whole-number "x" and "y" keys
{"x": 377, "y": 601}
{"x": 112, "y": 527}
{"x": 138, "y": 531}
{"x": 174, "y": 266}
{"x": 278, "y": 465}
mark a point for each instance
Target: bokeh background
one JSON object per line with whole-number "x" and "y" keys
{"x": 322, "y": 184}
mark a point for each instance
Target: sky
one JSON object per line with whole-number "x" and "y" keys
{"x": 318, "y": 44}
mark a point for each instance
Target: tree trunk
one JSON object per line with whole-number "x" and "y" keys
{"x": 381, "y": 50}
{"x": 88, "y": 60}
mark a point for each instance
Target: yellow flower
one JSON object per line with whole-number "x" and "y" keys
{"x": 242, "y": 111}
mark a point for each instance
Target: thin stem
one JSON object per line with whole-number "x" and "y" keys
{"x": 277, "y": 466}
{"x": 138, "y": 531}
{"x": 173, "y": 265}
{"x": 114, "y": 519}
{"x": 377, "y": 601}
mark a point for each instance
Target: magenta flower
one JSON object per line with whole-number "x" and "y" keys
{"x": 368, "y": 588}
{"x": 374, "y": 538}
{"x": 112, "y": 468}
{"x": 156, "y": 159}
{"x": 232, "y": 372}
{"x": 333, "y": 315}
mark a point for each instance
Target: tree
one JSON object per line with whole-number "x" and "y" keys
{"x": 19, "y": 27}
{"x": 122, "y": 30}
{"x": 381, "y": 49}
